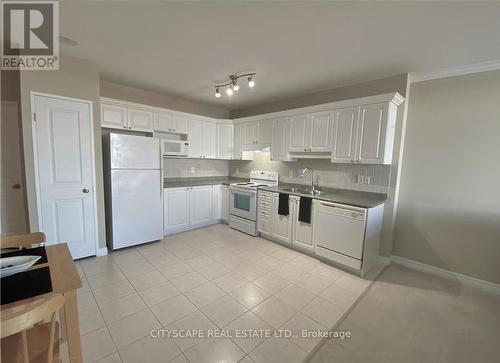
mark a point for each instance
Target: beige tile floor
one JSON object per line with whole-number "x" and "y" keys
{"x": 411, "y": 316}
{"x": 210, "y": 278}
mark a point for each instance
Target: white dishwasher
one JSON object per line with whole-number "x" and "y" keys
{"x": 339, "y": 233}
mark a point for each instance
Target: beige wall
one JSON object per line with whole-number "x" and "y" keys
{"x": 76, "y": 78}
{"x": 449, "y": 203}
{"x": 132, "y": 94}
{"x": 386, "y": 85}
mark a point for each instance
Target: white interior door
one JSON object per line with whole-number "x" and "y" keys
{"x": 63, "y": 137}
{"x": 13, "y": 214}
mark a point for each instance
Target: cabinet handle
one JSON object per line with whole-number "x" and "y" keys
{"x": 124, "y": 127}
{"x": 305, "y": 149}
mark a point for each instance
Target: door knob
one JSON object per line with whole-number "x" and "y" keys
{"x": 85, "y": 190}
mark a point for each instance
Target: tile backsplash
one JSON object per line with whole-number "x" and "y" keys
{"x": 344, "y": 176}
{"x": 183, "y": 168}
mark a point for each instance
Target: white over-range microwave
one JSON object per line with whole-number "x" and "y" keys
{"x": 174, "y": 148}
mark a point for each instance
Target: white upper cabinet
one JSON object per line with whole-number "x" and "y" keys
{"x": 209, "y": 138}
{"x": 140, "y": 120}
{"x": 256, "y": 133}
{"x": 249, "y": 132}
{"x": 174, "y": 124}
{"x": 372, "y": 133}
{"x": 320, "y": 132}
{"x": 113, "y": 116}
{"x": 179, "y": 125}
{"x": 162, "y": 122}
{"x": 364, "y": 134}
{"x": 195, "y": 137}
{"x": 264, "y": 131}
{"x": 345, "y": 123}
{"x": 202, "y": 139}
{"x": 310, "y": 133}
{"x": 280, "y": 140}
{"x": 299, "y": 134}
{"x": 225, "y": 135}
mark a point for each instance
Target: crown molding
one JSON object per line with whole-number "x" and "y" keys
{"x": 455, "y": 71}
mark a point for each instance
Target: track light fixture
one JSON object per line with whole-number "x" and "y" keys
{"x": 233, "y": 86}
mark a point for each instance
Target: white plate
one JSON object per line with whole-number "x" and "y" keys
{"x": 16, "y": 264}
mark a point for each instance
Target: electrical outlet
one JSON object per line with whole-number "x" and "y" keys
{"x": 237, "y": 170}
{"x": 193, "y": 170}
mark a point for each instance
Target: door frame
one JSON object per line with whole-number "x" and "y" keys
{"x": 33, "y": 95}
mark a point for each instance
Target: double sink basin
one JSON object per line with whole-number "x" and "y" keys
{"x": 306, "y": 191}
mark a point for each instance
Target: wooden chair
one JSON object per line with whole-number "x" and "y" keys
{"x": 22, "y": 240}
{"x": 23, "y": 341}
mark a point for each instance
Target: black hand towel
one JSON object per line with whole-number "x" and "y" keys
{"x": 305, "y": 209}
{"x": 283, "y": 205}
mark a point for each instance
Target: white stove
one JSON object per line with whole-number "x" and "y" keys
{"x": 243, "y": 200}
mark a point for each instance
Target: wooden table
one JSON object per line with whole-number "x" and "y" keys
{"x": 65, "y": 280}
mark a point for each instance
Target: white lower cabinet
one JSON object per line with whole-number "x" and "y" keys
{"x": 301, "y": 231}
{"x": 225, "y": 203}
{"x": 287, "y": 229}
{"x": 201, "y": 204}
{"x": 217, "y": 202}
{"x": 175, "y": 209}
{"x": 191, "y": 207}
{"x": 282, "y": 228}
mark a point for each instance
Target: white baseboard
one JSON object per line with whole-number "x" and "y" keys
{"x": 190, "y": 227}
{"x": 464, "y": 279}
{"x": 102, "y": 251}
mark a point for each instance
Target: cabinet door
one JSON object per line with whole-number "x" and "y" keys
{"x": 249, "y": 133}
{"x": 320, "y": 135}
{"x": 282, "y": 228}
{"x": 279, "y": 149}
{"x": 162, "y": 122}
{"x": 264, "y": 131}
{"x": 302, "y": 232}
{"x": 224, "y": 141}
{"x": 225, "y": 203}
{"x": 237, "y": 154}
{"x": 209, "y": 139}
{"x": 299, "y": 127}
{"x": 114, "y": 117}
{"x": 371, "y": 133}
{"x": 345, "y": 123}
{"x": 180, "y": 125}
{"x": 140, "y": 120}
{"x": 201, "y": 204}
{"x": 195, "y": 137}
{"x": 217, "y": 202}
{"x": 177, "y": 208}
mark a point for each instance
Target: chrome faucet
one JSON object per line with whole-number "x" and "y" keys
{"x": 303, "y": 172}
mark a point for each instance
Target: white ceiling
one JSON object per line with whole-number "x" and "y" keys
{"x": 184, "y": 48}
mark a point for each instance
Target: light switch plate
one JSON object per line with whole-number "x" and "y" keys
{"x": 193, "y": 170}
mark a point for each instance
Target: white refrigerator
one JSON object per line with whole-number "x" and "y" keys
{"x": 132, "y": 178}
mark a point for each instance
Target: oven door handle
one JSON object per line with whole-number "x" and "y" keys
{"x": 250, "y": 193}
